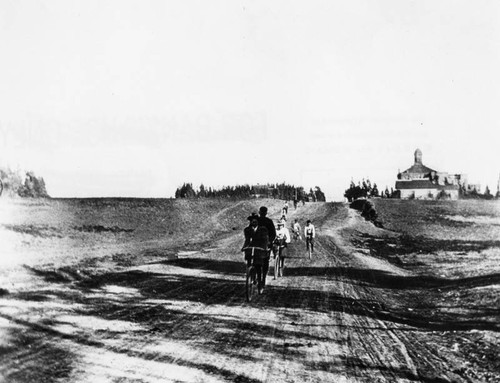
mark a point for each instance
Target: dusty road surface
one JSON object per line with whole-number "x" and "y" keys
{"x": 153, "y": 291}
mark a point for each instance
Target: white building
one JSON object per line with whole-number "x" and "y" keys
{"x": 421, "y": 182}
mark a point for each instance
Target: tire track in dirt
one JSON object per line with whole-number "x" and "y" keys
{"x": 229, "y": 294}
{"x": 193, "y": 325}
{"x": 415, "y": 360}
{"x": 383, "y": 350}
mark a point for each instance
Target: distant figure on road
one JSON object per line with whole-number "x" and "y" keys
{"x": 296, "y": 230}
{"x": 281, "y": 242}
{"x": 295, "y": 203}
{"x": 285, "y": 209}
{"x": 271, "y": 230}
{"x": 309, "y": 234}
{"x": 257, "y": 236}
{"x": 283, "y": 233}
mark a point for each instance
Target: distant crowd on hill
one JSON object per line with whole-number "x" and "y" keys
{"x": 279, "y": 191}
{"x": 15, "y": 184}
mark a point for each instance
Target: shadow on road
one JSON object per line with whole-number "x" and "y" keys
{"x": 213, "y": 290}
{"x": 383, "y": 279}
{"x": 32, "y": 356}
{"x": 172, "y": 307}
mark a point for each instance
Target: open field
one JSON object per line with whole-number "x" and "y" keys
{"x": 152, "y": 290}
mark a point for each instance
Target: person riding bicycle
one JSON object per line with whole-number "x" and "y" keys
{"x": 280, "y": 243}
{"x": 296, "y": 230}
{"x": 255, "y": 248}
{"x": 309, "y": 234}
{"x": 271, "y": 230}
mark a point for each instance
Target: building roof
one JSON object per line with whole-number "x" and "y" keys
{"x": 423, "y": 184}
{"x": 419, "y": 168}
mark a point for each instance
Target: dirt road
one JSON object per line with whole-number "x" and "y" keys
{"x": 152, "y": 314}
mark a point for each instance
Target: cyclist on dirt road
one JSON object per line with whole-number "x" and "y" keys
{"x": 309, "y": 233}
{"x": 271, "y": 230}
{"x": 257, "y": 237}
{"x": 296, "y": 230}
{"x": 281, "y": 241}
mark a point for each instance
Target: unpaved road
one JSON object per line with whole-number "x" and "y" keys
{"x": 147, "y": 315}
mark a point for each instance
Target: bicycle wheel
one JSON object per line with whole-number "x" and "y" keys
{"x": 250, "y": 286}
{"x": 282, "y": 266}
{"x": 276, "y": 266}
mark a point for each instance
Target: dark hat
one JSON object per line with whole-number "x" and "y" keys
{"x": 253, "y": 216}
{"x": 263, "y": 209}
{"x": 308, "y": 221}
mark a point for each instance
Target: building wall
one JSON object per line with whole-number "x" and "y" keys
{"x": 443, "y": 178}
{"x": 426, "y": 194}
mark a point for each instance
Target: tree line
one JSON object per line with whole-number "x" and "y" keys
{"x": 365, "y": 189}
{"x": 279, "y": 191}
{"x": 13, "y": 183}
{"x": 474, "y": 194}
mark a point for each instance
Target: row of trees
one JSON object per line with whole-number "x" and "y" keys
{"x": 188, "y": 191}
{"x": 474, "y": 194}
{"x": 365, "y": 189}
{"x": 291, "y": 192}
{"x": 14, "y": 184}
{"x": 279, "y": 191}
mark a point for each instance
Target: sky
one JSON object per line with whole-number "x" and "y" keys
{"x": 133, "y": 98}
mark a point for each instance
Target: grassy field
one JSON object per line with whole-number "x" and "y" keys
{"x": 453, "y": 238}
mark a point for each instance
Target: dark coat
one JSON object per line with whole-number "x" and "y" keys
{"x": 256, "y": 238}
{"x": 269, "y": 225}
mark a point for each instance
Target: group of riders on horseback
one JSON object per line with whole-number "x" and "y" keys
{"x": 262, "y": 238}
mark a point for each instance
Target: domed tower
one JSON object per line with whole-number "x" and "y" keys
{"x": 422, "y": 182}
{"x": 418, "y": 157}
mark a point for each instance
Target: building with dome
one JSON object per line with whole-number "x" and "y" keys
{"x": 422, "y": 182}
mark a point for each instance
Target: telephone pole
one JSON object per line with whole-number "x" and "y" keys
{"x": 498, "y": 187}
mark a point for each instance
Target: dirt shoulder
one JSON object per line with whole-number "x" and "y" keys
{"x": 154, "y": 305}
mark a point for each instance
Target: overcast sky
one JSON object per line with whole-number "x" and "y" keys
{"x": 132, "y": 98}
